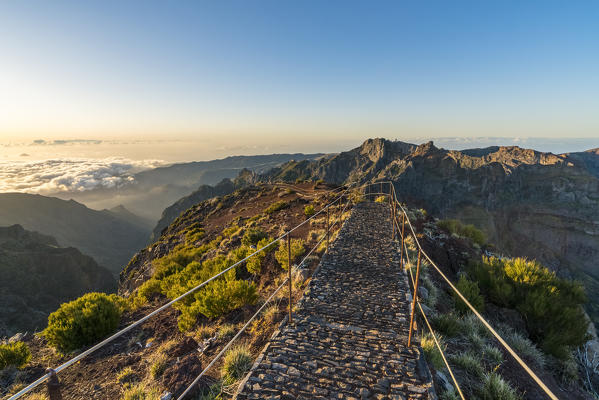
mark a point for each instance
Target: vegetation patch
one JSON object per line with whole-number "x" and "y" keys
{"x": 282, "y": 254}
{"x": 83, "y": 321}
{"x": 468, "y": 231}
{"x": 551, "y": 306}
{"x": 309, "y": 210}
{"x": 236, "y": 364}
{"x": 16, "y": 354}
{"x": 277, "y": 206}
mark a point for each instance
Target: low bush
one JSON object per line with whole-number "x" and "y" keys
{"x": 226, "y": 331}
{"x": 274, "y": 207}
{"x": 158, "y": 366}
{"x": 141, "y": 392}
{"x": 471, "y": 292}
{"x": 309, "y": 210}
{"x": 523, "y": 347}
{"x": 252, "y": 236}
{"x": 469, "y": 363}
{"x": 126, "y": 376}
{"x": 297, "y": 249}
{"x": 468, "y": 231}
{"x": 16, "y": 354}
{"x": 448, "y": 324}
{"x": 83, "y": 321}
{"x": 432, "y": 353}
{"x": 551, "y": 306}
{"x": 381, "y": 199}
{"x": 493, "y": 355}
{"x": 237, "y": 362}
{"x": 495, "y": 388}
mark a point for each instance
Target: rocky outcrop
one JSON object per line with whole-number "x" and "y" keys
{"x": 36, "y": 276}
{"x": 530, "y": 203}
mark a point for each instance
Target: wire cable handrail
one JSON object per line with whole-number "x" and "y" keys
{"x": 80, "y": 356}
{"x": 478, "y": 315}
{"x": 220, "y": 354}
{"x": 430, "y": 328}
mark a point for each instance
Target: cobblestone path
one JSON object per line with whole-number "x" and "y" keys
{"x": 348, "y": 336}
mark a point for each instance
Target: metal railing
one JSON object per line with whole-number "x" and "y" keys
{"x": 287, "y": 280}
{"x": 405, "y": 220}
{"x": 51, "y": 373}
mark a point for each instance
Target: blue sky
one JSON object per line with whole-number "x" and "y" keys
{"x": 263, "y": 71}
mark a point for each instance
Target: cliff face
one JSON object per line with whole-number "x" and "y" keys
{"x": 530, "y": 203}
{"x": 36, "y": 276}
{"x": 109, "y": 236}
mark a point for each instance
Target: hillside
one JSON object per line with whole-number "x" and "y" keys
{"x": 149, "y": 192}
{"x": 173, "y": 347}
{"x": 36, "y": 276}
{"x": 529, "y": 203}
{"x": 109, "y": 237}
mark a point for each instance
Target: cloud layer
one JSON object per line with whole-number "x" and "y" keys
{"x": 69, "y": 175}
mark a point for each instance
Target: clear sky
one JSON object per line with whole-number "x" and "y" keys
{"x": 298, "y": 71}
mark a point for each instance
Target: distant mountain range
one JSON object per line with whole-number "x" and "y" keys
{"x": 36, "y": 276}
{"x": 151, "y": 191}
{"x": 111, "y": 237}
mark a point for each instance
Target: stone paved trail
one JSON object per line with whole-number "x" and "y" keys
{"x": 348, "y": 337}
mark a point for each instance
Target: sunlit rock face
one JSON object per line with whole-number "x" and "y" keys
{"x": 530, "y": 203}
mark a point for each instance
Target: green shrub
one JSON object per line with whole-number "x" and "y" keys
{"x": 274, "y": 207}
{"x": 232, "y": 230}
{"x": 194, "y": 234}
{"x": 126, "y": 376}
{"x": 309, "y": 210}
{"x": 297, "y": 249}
{"x": 523, "y": 347}
{"x": 470, "y": 363}
{"x": 431, "y": 351}
{"x": 495, "y": 388}
{"x": 237, "y": 362}
{"x": 468, "y": 231}
{"x": 471, "y": 292}
{"x": 448, "y": 324}
{"x": 254, "y": 264}
{"x": 493, "y": 355}
{"x": 551, "y": 306}
{"x": 252, "y": 236}
{"x": 158, "y": 366}
{"x": 226, "y": 331}
{"x": 83, "y": 321}
{"x": 140, "y": 392}
{"x": 16, "y": 354}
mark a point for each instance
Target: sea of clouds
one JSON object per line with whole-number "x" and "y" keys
{"x": 70, "y": 175}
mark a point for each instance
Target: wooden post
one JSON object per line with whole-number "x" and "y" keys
{"x": 53, "y": 385}
{"x": 289, "y": 272}
{"x": 414, "y": 300}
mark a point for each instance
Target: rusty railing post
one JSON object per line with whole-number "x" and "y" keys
{"x": 328, "y": 228}
{"x": 53, "y": 385}
{"x": 403, "y": 225}
{"x": 289, "y": 272}
{"x": 414, "y": 299}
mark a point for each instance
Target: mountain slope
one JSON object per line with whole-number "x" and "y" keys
{"x": 530, "y": 203}
{"x": 36, "y": 276}
{"x": 104, "y": 235}
{"x": 149, "y": 192}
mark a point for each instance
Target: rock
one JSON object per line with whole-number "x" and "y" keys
{"x": 166, "y": 396}
{"x": 443, "y": 382}
{"x": 17, "y": 337}
{"x": 422, "y": 292}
